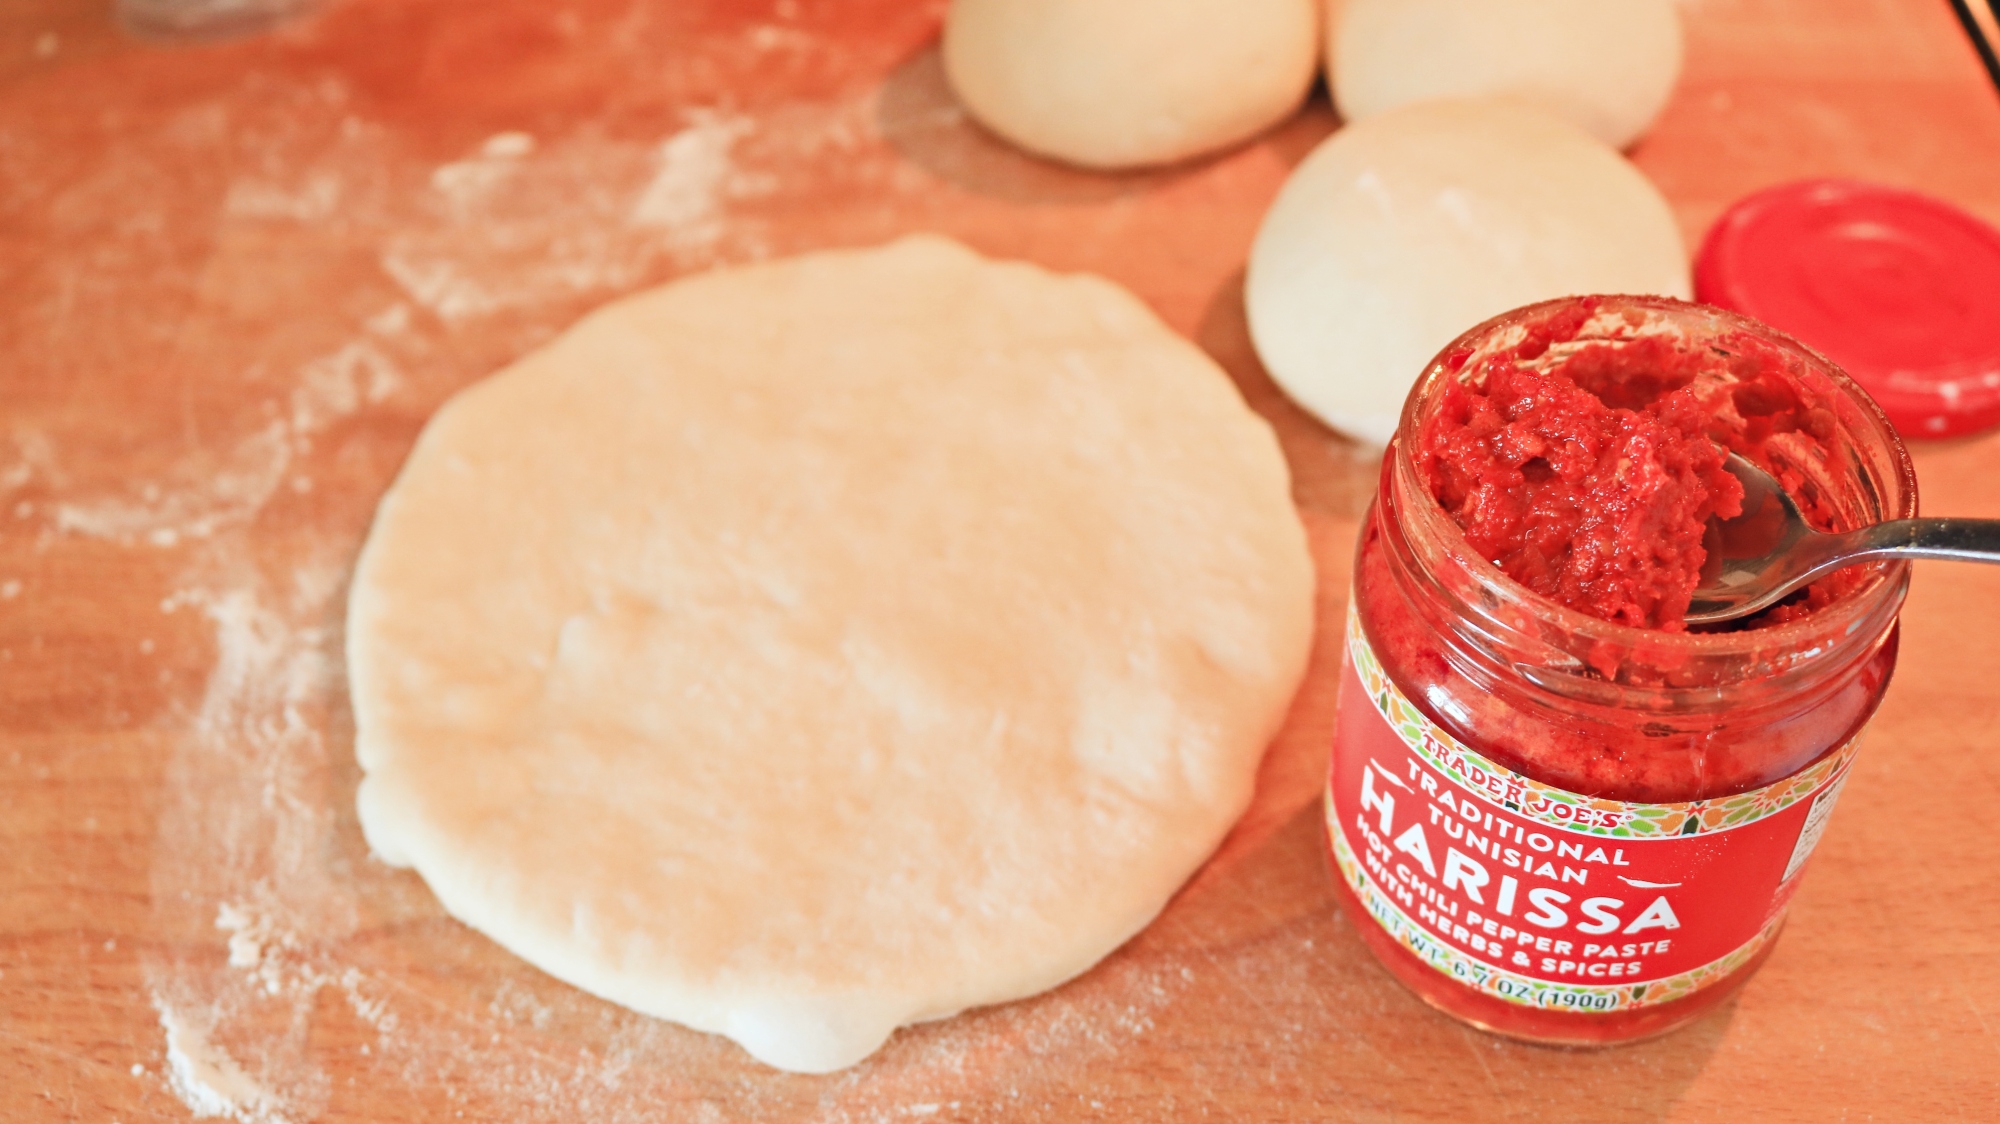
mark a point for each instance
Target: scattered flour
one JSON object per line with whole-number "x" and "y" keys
{"x": 694, "y": 177}
{"x": 338, "y": 384}
{"x": 206, "y": 494}
{"x": 521, "y": 222}
{"x": 313, "y": 201}
{"x": 208, "y": 1081}
{"x": 466, "y": 183}
{"x": 257, "y": 863}
{"x": 209, "y": 494}
{"x": 37, "y": 459}
{"x": 247, "y": 826}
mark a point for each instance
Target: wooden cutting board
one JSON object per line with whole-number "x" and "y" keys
{"x": 236, "y": 278}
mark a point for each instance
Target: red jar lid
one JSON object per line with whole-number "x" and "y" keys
{"x": 1900, "y": 289}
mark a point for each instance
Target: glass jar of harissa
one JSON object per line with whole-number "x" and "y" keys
{"x": 1572, "y": 831}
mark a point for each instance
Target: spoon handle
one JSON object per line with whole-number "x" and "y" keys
{"x": 1963, "y": 540}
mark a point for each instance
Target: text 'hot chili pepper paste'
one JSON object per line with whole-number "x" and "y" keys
{"x": 1555, "y": 811}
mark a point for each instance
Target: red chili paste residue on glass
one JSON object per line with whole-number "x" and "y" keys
{"x": 1590, "y": 478}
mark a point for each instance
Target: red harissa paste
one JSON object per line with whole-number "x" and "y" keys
{"x": 1595, "y": 506}
{"x": 1591, "y": 481}
{"x": 1554, "y": 811}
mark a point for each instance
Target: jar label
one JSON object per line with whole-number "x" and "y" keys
{"x": 1544, "y": 897}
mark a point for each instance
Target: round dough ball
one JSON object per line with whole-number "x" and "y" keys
{"x": 1607, "y": 65}
{"x": 1126, "y": 83}
{"x": 807, "y": 649}
{"x": 1399, "y": 233}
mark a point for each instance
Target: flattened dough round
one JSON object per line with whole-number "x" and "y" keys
{"x": 1127, "y": 83}
{"x": 807, "y": 649}
{"x": 1605, "y": 65}
{"x": 1398, "y": 233}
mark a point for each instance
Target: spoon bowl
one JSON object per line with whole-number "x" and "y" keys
{"x": 1758, "y": 558}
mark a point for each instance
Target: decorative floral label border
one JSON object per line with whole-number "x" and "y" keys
{"x": 1560, "y": 808}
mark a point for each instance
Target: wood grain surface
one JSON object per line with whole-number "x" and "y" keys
{"x": 235, "y": 278}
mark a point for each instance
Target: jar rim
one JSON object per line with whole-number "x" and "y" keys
{"x": 1896, "y": 495}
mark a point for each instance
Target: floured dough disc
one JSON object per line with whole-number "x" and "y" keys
{"x": 1124, "y": 83}
{"x": 1606, "y": 65}
{"x": 803, "y": 650}
{"x": 1398, "y": 233}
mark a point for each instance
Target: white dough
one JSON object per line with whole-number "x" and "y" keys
{"x": 1125, "y": 83}
{"x": 1397, "y": 234}
{"x": 803, "y": 650}
{"x": 1606, "y": 65}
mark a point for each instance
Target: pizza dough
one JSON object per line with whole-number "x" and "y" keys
{"x": 807, "y": 649}
{"x": 1125, "y": 83}
{"x": 1606, "y": 65}
{"x": 1398, "y": 233}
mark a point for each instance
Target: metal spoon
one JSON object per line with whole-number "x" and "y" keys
{"x": 1768, "y": 551}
